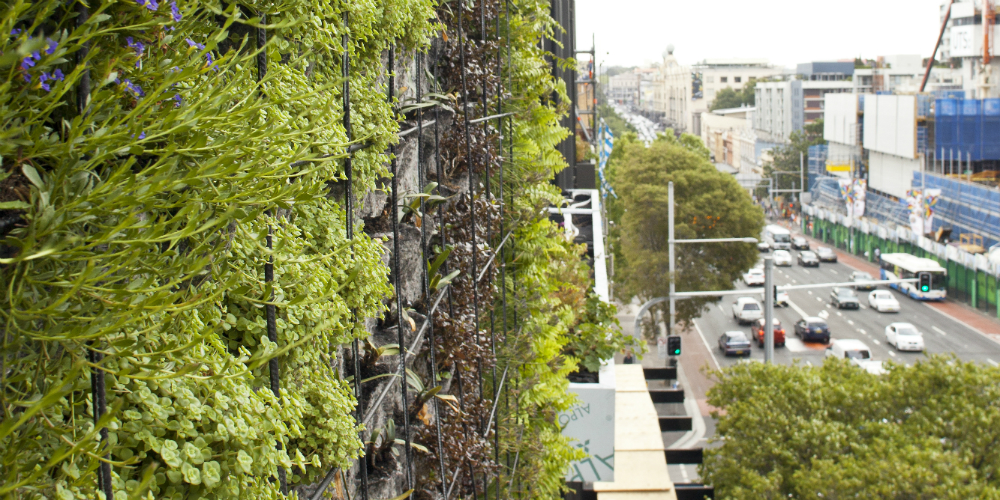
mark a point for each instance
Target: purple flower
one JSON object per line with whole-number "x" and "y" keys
{"x": 142, "y": 135}
{"x": 194, "y": 45}
{"x": 42, "y": 78}
{"x": 27, "y": 77}
{"x": 210, "y": 58}
{"x": 52, "y": 46}
{"x": 15, "y": 32}
{"x": 149, "y": 4}
{"x": 177, "y": 100}
{"x": 175, "y": 12}
{"x": 36, "y": 55}
{"x": 58, "y": 75}
{"x": 138, "y": 47}
{"x": 27, "y": 63}
{"x": 135, "y": 89}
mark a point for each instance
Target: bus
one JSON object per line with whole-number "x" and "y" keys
{"x": 778, "y": 237}
{"x": 906, "y": 266}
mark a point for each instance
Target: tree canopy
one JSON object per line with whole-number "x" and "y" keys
{"x": 924, "y": 432}
{"x": 730, "y": 98}
{"x": 709, "y": 204}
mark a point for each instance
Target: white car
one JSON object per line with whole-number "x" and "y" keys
{"x": 782, "y": 258}
{"x": 747, "y": 310}
{"x": 781, "y": 299}
{"x": 857, "y": 353}
{"x": 883, "y": 301}
{"x": 754, "y": 277}
{"x": 905, "y": 337}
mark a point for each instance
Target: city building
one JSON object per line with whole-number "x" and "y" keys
{"x": 903, "y": 74}
{"x": 725, "y": 133}
{"x": 963, "y": 39}
{"x": 672, "y": 92}
{"x": 623, "y": 88}
{"x": 718, "y": 74}
{"x": 780, "y": 110}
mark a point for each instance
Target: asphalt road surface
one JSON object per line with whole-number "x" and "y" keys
{"x": 942, "y": 334}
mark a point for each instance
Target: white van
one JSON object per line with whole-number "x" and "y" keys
{"x": 857, "y": 352}
{"x": 778, "y": 237}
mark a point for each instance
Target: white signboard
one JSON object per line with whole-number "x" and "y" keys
{"x": 592, "y": 423}
{"x": 965, "y": 42}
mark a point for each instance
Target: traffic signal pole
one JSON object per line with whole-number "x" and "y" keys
{"x": 670, "y": 250}
{"x": 768, "y": 309}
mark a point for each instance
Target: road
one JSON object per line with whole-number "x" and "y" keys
{"x": 942, "y": 334}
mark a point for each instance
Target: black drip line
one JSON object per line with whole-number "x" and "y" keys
{"x": 98, "y": 388}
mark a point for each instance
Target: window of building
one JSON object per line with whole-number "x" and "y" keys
{"x": 737, "y": 79}
{"x": 709, "y": 79}
{"x": 723, "y": 79}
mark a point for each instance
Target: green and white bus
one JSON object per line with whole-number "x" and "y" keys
{"x": 906, "y": 266}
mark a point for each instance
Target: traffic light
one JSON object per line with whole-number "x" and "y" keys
{"x": 925, "y": 282}
{"x": 775, "y": 294}
{"x": 674, "y": 345}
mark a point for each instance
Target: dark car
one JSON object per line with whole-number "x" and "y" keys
{"x": 826, "y": 255}
{"x": 808, "y": 259}
{"x": 844, "y": 298}
{"x": 813, "y": 330}
{"x": 735, "y": 343}
{"x": 800, "y": 243}
{"x": 863, "y": 281}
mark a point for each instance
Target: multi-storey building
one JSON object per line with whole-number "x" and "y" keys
{"x": 623, "y": 88}
{"x": 718, "y": 74}
{"x": 672, "y": 92}
{"x": 903, "y": 74}
{"x": 780, "y": 110}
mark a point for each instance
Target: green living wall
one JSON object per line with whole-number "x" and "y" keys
{"x": 180, "y": 274}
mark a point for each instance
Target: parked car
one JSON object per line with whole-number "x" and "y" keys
{"x": 782, "y": 258}
{"x": 904, "y": 337}
{"x": 758, "y": 332}
{"x": 863, "y": 281}
{"x": 781, "y": 299}
{"x": 844, "y": 298}
{"x": 883, "y": 301}
{"x": 800, "y": 243}
{"x": 763, "y": 247}
{"x": 813, "y": 329}
{"x": 735, "y": 343}
{"x": 754, "y": 277}
{"x": 808, "y": 259}
{"x": 857, "y": 352}
{"x": 747, "y": 310}
{"x": 826, "y": 255}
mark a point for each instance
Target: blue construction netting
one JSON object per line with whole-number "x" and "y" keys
{"x": 817, "y": 163}
{"x": 825, "y": 192}
{"x": 967, "y": 207}
{"x": 967, "y": 129}
{"x": 949, "y": 94}
{"x": 886, "y": 209}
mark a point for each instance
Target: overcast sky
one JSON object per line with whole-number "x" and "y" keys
{"x": 787, "y": 32}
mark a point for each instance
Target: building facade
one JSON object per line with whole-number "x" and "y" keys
{"x": 718, "y": 74}
{"x": 780, "y": 110}
{"x": 672, "y": 94}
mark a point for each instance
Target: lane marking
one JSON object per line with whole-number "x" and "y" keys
{"x": 862, "y": 330}
{"x": 832, "y": 271}
{"x": 806, "y": 271}
{"x": 823, "y": 314}
{"x": 840, "y": 313}
{"x": 863, "y": 306}
{"x": 711, "y": 352}
{"x": 892, "y": 354}
{"x": 795, "y": 345}
{"x": 808, "y": 363}
{"x": 721, "y": 308}
{"x": 850, "y": 322}
{"x": 797, "y": 309}
{"x": 684, "y": 474}
{"x": 942, "y": 313}
{"x": 819, "y": 299}
{"x": 810, "y": 292}
{"x": 936, "y": 329}
{"x": 994, "y": 363}
{"x": 876, "y": 342}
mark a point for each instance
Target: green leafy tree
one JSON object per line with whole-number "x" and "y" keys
{"x": 787, "y": 158}
{"x": 927, "y": 431}
{"x": 709, "y": 204}
{"x": 731, "y": 98}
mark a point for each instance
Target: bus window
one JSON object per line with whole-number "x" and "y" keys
{"x": 939, "y": 281}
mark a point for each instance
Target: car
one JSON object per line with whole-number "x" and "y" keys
{"x": 883, "y": 301}
{"x": 747, "y": 310}
{"x": 800, "y": 243}
{"x": 826, "y": 255}
{"x": 813, "y": 329}
{"x": 857, "y": 353}
{"x": 757, "y": 331}
{"x": 808, "y": 259}
{"x": 782, "y": 258}
{"x": 904, "y": 337}
{"x": 863, "y": 281}
{"x": 781, "y": 299}
{"x": 754, "y": 277}
{"x": 844, "y": 298}
{"x": 763, "y": 247}
{"x": 735, "y": 343}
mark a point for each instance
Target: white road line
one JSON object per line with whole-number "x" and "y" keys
{"x": 721, "y": 308}
{"x": 936, "y": 329}
{"x": 851, "y": 322}
{"x": 839, "y": 313}
{"x": 876, "y": 342}
{"x": 863, "y": 306}
{"x": 794, "y": 281}
{"x": 798, "y": 309}
{"x": 892, "y": 354}
{"x": 862, "y": 330}
{"x": 711, "y": 351}
{"x": 810, "y": 291}
{"x": 994, "y": 363}
{"x": 956, "y": 320}
{"x": 806, "y": 271}
{"x": 819, "y": 299}
{"x": 808, "y": 363}
{"x": 832, "y": 271}
{"x": 684, "y": 474}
